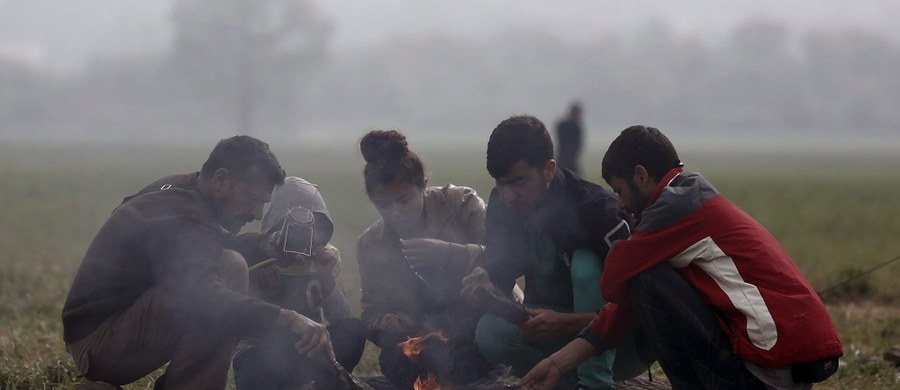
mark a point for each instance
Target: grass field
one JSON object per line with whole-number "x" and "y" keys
{"x": 837, "y": 214}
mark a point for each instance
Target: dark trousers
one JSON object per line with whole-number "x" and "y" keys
{"x": 274, "y": 364}
{"x": 684, "y": 332}
{"x": 150, "y": 333}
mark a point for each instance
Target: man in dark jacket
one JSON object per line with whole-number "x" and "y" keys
{"x": 554, "y": 228}
{"x": 165, "y": 279}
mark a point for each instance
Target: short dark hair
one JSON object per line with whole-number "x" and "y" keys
{"x": 517, "y": 138}
{"x": 639, "y": 145}
{"x": 237, "y": 154}
{"x": 388, "y": 159}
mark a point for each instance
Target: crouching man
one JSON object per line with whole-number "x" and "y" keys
{"x": 720, "y": 301}
{"x": 303, "y": 279}
{"x": 165, "y": 279}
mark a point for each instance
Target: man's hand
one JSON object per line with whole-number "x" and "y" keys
{"x": 478, "y": 278}
{"x": 421, "y": 252}
{"x": 313, "y": 337}
{"x": 269, "y": 246}
{"x": 546, "y": 373}
{"x": 543, "y": 376}
{"x": 544, "y": 325}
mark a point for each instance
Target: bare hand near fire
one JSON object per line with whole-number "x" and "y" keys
{"x": 544, "y": 325}
{"x": 313, "y": 337}
{"x": 269, "y": 246}
{"x": 478, "y": 278}
{"x": 543, "y": 376}
{"x": 424, "y": 251}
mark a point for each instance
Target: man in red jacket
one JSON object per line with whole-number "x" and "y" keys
{"x": 719, "y": 299}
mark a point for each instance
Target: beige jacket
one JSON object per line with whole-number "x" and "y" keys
{"x": 428, "y": 295}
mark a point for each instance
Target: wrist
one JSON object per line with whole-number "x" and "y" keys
{"x": 285, "y": 318}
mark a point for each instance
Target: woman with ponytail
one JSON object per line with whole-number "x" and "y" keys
{"x": 412, "y": 261}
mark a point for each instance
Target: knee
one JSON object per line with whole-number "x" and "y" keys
{"x": 586, "y": 268}
{"x": 645, "y": 282}
{"x": 496, "y": 339}
{"x": 348, "y": 337}
{"x": 234, "y": 271}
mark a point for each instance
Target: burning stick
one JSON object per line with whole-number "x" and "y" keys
{"x": 413, "y": 346}
{"x": 505, "y": 308}
{"x": 261, "y": 264}
{"x": 350, "y": 382}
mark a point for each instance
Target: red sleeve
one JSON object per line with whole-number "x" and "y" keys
{"x": 611, "y": 326}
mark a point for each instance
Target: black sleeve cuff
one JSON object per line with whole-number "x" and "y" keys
{"x": 594, "y": 338}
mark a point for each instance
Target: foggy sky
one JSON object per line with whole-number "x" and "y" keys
{"x": 66, "y": 35}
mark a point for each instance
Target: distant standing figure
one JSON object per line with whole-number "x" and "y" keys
{"x": 568, "y": 138}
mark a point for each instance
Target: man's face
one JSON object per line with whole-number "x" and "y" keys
{"x": 633, "y": 192}
{"x": 240, "y": 199}
{"x": 630, "y": 199}
{"x": 524, "y": 187}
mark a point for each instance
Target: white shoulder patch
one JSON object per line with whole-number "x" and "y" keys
{"x": 620, "y": 232}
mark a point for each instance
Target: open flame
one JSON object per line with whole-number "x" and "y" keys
{"x": 429, "y": 383}
{"x": 412, "y": 348}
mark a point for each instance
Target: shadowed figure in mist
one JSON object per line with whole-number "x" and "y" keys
{"x": 165, "y": 279}
{"x": 569, "y": 139}
{"x": 412, "y": 261}
{"x": 304, "y": 279}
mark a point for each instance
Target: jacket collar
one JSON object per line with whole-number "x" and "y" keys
{"x": 663, "y": 183}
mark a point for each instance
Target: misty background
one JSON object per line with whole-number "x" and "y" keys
{"x": 748, "y": 73}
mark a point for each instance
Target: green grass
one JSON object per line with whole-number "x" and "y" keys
{"x": 836, "y": 214}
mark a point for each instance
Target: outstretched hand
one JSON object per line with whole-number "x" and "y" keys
{"x": 543, "y": 376}
{"x": 478, "y": 278}
{"x": 544, "y": 325}
{"x": 313, "y": 339}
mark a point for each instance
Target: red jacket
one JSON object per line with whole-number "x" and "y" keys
{"x": 776, "y": 318}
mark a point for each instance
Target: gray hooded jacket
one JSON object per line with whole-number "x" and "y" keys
{"x": 297, "y": 284}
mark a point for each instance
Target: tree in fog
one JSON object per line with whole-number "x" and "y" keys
{"x": 249, "y": 56}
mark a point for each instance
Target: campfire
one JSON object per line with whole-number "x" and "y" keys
{"x": 412, "y": 348}
{"x": 434, "y": 378}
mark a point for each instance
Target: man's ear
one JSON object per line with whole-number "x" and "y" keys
{"x": 549, "y": 170}
{"x": 221, "y": 180}
{"x": 641, "y": 177}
